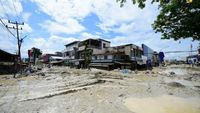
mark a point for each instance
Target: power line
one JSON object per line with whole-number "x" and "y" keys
{"x": 5, "y": 10}
{"x": 3, "y": 27}
{"x": 8, "y": 33}
{"x": 13, "y": 7}
{"x": 16, "y": 11}
{"x": 19, "y": 40}
{"x": 6, "y": 27}
{"x": 180, "y": 51}
{"x": 174, "y": 52}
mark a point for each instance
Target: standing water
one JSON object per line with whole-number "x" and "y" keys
{"x": 163, "y": 104}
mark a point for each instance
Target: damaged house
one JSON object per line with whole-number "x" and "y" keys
{"x": 70, "y": 55}
{"x": 53, "y": 59}
{"x": 7, "y": 62}
{"x": 123, "y": 57}
{"x": 87, "y": 48}
{"x": 79, "y": 53}
{"x": 99, "y": 54}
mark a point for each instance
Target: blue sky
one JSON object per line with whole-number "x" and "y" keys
{"x": 49, "y": 25}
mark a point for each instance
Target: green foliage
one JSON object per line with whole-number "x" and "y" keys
{"x": 177, "y": 19}
{"x": 36, "y": 52}
{"x": 141, "y": 3}
{"x": 87, "y": 53}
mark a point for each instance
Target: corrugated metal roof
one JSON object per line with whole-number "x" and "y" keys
{"x": 56, "y": 57}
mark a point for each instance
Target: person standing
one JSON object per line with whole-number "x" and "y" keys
{"x": 161, "y": 58}
{"x": 148, "y": 63}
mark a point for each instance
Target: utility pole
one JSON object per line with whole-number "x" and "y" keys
{"x": 19, "y": 40}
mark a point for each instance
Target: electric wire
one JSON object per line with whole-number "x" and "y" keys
{"x": 15, "y": 10}
{"x": 6, "y": 27}
{"x": 6, "y": 14}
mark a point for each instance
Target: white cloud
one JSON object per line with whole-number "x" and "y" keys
{"x": 26, "y": 16}
{"x": 50, "y": 45}
{"x": 61, "y": 10}
{"x": 71, "y": 26}
{"x": 108, "y": 11}
{"x": 119, "y": 40}
{"x": 13, "y": 8}
{"x": 10, "y": 7}
{"x": 114, "y": 18}
{"x": 126, "y": 28}
{"x": 132, "y": 23}
{"x": 65, "y": 15}
{"x": 153, "y": 41}
{"x": 26, "y": 28}
{"x": 86, "y": 35}
{"x": 7, "y": 41}
{"x": 53, "y": 43}
{"x": 111, "y": 14}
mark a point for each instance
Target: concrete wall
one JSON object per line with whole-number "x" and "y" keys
{"x": 69, "y": 52}
{"x": 128, "y": 50}
{"x": 107, "y": 44}
{"x": 71, "y": 47}
{"x": 99, "y": 51}
{"x": 101, "y": 58}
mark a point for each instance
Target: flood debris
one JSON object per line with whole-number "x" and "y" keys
{"x": 196, "y": 77}
{"x": 41, "y": 74}
{"x": 72, "y": 90}
{"x": 172, "y": 73}
{"x": 193, "y": 77}
{"x": 197, "y": 87}
{"x": 81, "y": 89}
{"x": 121, "y": 95}
{"x": 170, "y": 93}
{"x": 126, "y": 71}
{"x": 52, "y": 95}
{"x": 149, "y": 72}
{"x": 108, "y": 75}
{"x": 32, "y": 69}
{"x": 175, "y": 84}
{"x": 188, "y": 78}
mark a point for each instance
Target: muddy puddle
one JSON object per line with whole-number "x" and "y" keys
{"x": 163, "y": 104}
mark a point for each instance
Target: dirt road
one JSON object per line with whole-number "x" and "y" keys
{"x": 65, "y": 90}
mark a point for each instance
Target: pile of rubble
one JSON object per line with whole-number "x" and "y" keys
{"x": 30, "y": 71}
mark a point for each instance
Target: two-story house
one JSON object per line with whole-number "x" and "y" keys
{"x": 70, "y": 52}
{"x": 123, "y": 57}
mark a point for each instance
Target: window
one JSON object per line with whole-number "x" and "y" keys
{"x": 105, "y": 57}
{"x": 134, "y": 52}
{"x": 67, "y": 53}
{"x": 104, "y": 45}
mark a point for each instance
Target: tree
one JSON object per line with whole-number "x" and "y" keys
{"x": 177, "y": 19}
{"x": 141, "y": 3}
{"x": 36, "y": 53}
{"x": 87, "y": 55}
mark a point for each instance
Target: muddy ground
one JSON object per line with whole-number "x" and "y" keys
{"x": 171, "y": 89}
